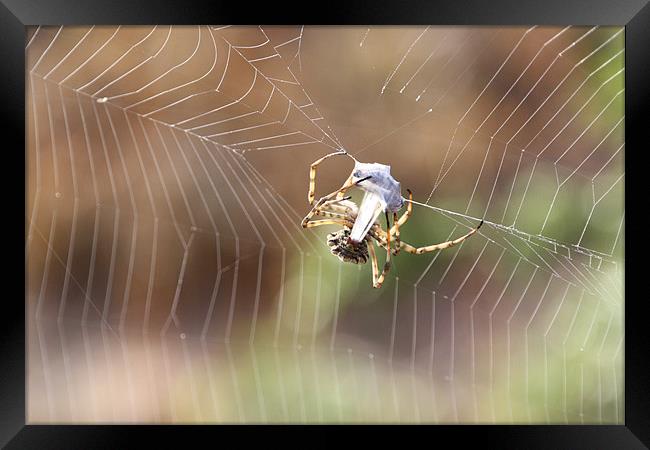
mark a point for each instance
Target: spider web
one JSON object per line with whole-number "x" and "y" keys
{"x": 169, "y": 279}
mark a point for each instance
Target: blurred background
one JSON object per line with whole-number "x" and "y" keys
{"x": 168, "y": 277}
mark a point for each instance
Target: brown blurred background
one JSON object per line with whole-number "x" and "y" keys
{"x": 169, "y": 279}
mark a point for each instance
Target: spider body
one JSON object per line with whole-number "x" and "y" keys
{"x": 354, "y": 242}
{"x": 347, "y": 250}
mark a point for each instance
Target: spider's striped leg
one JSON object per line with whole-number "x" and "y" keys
{"x": 377, "y": 282}
{"x": 334, "y": 215}
{"x": 311, "y": 195}
{"x": 347, "y": 185}
{"x": 396, "y": 228}
{"x": 442, "y": 246}
{"x": 330, "y": 198}
{"x": 402, "y": 220}
{"x": 317, "y": 223}
{"x": 316, "y": 209}
{"x": 373, "y": 259}
{"x": 336, "y": 206}
{"x": 379, "y": 235}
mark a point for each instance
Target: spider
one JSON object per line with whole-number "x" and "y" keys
{"x": 354, "y": 242}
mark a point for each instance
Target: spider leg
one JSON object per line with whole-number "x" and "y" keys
{"x": 332, "y": 214}
{"x": 373, "y": 259}
{"x": 396, "y": 228}
{"x": 402, "y": 220}
{"x": 377, "y": 282}
{"x": 348, "y": 184}
{"x": 335, "y": 205}
{"x": 312, "y": 174}
{"x": 380, "y": 236}
{"x": 394, "y": 231}
{"x": 337, "y": 214}
{"x": 329, "y": 198}
{"x": 317, "y": 223}
{"x": 430, "y": 248}
{"x": 316, "y": 209}
{"x": 341, "y": 192}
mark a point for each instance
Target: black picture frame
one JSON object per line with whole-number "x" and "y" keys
{"x": 15, "y": 15}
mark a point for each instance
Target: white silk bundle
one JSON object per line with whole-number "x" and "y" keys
{"x": 382, "y": 193}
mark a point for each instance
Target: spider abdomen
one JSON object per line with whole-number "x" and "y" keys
{"x": 346, "y": 250}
